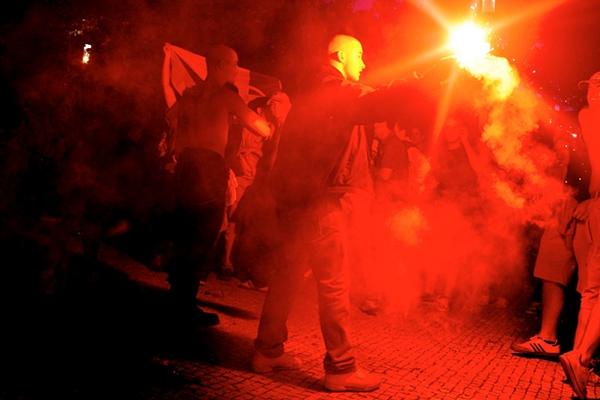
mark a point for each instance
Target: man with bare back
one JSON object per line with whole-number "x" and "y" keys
{"x": 200, "y": 121}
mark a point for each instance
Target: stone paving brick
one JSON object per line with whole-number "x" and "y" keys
{"x": 421, "y": 354}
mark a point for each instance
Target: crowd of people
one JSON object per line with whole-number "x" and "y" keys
{"x": 302, "y": 199}
{"x": 334, "y": 184}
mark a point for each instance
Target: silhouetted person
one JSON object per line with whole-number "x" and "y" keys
{"x": 200, "y": 121}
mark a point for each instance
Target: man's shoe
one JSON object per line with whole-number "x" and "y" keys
{"x": 356, "y": 381}
{"x": 262, "y": 364}
{"x": 194, "y": 316}
{"x": 204, "y": 318}
{"x": 371, "y": 306}
{"x": 537, "y": 346}
{"x": 577, "y": 374}
{"x": 263, "y": 289}
{"x": 250, "y": 285}
{"x": 246, "y": 284}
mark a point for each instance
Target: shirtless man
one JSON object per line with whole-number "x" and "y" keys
{"x": 200, "y": 121}
{"x": 587, "y": 338}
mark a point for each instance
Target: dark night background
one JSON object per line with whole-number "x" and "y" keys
{"x": 51, "y": 99}
{"x": 51, "y": 103}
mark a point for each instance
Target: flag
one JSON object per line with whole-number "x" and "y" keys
{"x": 187, "y": 68}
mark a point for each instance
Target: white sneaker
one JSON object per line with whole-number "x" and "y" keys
{"x": 577, "y": 374}
{"x": 356, "y": 381}
{"x": 262, "y": 364}
{"x": 537, "y": 346}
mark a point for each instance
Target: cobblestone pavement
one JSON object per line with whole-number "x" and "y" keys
{"x": 421, "y": 354}
{"x": 112, "y": 337}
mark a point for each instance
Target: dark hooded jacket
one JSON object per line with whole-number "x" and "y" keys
{"x": 323, "y": 148}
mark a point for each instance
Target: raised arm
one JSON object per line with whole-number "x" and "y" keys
{"x": 370, "y": 105}
{"x": 247, "y": 117}
{"x": 170, "y": 97}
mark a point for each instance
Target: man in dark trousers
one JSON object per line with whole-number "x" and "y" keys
{"x": 320, "y": 177}
{"x": 200, "y": 121}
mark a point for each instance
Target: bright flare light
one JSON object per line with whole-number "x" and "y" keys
{"x": 470, "y": 46}
{"x": 469, "y": 43}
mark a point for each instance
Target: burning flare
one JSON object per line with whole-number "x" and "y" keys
{"x": 512, "y": 115}
{"x": 470, "y": 45}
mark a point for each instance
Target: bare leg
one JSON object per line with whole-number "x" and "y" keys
{"x": 553, "y": 299}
